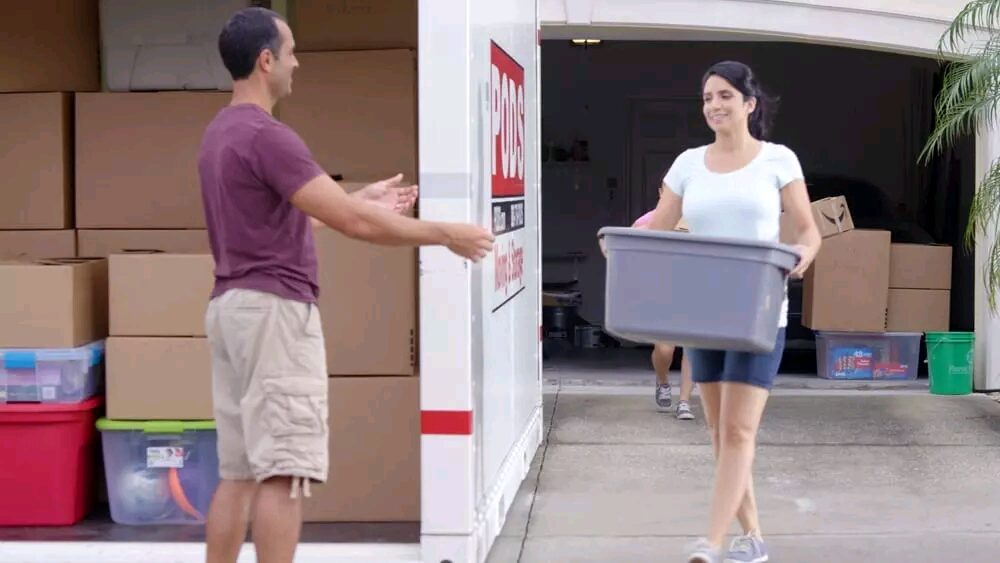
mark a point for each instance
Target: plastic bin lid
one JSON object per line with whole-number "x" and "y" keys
{"x": 155, "y": 426}
{"x": 85, "y": 405}
{"x": 27, "y": 358}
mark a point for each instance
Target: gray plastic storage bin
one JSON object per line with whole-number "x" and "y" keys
{"x": 698, "y": 291}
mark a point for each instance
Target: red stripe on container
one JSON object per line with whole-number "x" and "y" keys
{"x": 446, "y": 423}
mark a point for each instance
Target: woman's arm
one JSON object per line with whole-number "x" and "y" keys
{"x": 668, "y": 211}
{"x": 795, "y": 201}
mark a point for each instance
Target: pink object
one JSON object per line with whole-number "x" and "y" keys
{"x": 641, "y": 222}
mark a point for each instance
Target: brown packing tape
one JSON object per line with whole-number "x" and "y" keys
{"x": 835, "y": 216}
{"x": 63, "y": 261}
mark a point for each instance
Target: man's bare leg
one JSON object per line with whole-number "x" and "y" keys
{"x": 277, "y": 521}
{"x": 228, "y": 517}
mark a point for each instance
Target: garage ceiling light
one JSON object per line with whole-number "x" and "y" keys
{"x": 586, "y": 42}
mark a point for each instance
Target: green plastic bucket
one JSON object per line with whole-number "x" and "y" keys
{"x": 950, "y": 359}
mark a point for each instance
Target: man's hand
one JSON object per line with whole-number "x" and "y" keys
{"x": 390, "y": 194}
{"x": 469, "y": 241}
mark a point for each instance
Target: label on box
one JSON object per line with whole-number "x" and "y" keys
{"x": 891, "y": 370}
{"x": 158, "y": 458}
{"x": 852, "y": 363}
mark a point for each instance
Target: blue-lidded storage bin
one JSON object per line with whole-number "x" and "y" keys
{"x": 51, "y": 375}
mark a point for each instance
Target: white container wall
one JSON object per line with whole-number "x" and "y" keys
{"x": 480, "y": 324}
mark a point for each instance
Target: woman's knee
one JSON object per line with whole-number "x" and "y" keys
{"x": 736, "y": 433}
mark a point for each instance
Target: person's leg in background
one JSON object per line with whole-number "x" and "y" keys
{"x": 687, "y": 387}
{"x": 663, "y": 356}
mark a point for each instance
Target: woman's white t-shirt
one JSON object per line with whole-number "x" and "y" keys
{"x": 744, "y": 203}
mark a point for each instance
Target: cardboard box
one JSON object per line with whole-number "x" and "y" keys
{"x": 136, "y": 158}
{"x": 154, "y": 294}
{"x": 30, "y": 245}
{"x": 160, "y": 378}
{"x": 175, "y": 241}
{"x": 368, "y": 305}
{"x": 36, "y": 161}
{"x": 920, "y": 266}
{"x": 336, "y": 25}
{"x": 53, "y": 303}
{"x": 50, "y": 46}
{"x": 156, "y": 45}
{"x": 832, "y": 217}
{"x": 919, "y": 310}
{"x": 847, "y": 287}
{"x": 357, "y": 112}
{"x": 374, "y": 453}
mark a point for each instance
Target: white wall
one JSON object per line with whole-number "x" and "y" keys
{"x": 845, "y": 112}
{"x": 912, "y": 26}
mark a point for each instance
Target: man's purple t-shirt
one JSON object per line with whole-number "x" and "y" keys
{"x": 250, "y": 164}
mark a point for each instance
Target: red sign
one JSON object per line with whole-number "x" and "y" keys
{"x": 507, "y": 123}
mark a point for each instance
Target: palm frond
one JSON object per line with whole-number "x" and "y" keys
{"x": 991, "y": 275}
{"x": 985, "y": 208}
{"x": 968, "y": 100}
{"x": 977, "y": 16}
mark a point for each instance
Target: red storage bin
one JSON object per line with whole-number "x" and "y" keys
{"x": 47, "y": 462}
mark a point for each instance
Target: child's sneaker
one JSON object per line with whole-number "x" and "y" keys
{"x": 684, "y": 411}
{"x": 747, "y": 549}
{"x": 663, "y": 396}
{"x": 704, "y": 552}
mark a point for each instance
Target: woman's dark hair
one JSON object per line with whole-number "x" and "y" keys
{"x": 743, "y": 79}
{"x": 245, "y": 35}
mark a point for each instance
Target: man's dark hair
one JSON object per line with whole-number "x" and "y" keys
{"x": 245, "y": 35}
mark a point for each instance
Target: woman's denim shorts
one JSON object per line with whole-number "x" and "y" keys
{"x": 715, "y": 366}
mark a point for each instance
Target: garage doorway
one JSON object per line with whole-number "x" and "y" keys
{"x": 615, "y": 114}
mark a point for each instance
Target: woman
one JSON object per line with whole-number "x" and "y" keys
{"x": 736, "y": 187}
{"x": 663, "y": 356}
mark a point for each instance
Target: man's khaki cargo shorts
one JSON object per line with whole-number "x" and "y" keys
{"x": 269, "y": 385}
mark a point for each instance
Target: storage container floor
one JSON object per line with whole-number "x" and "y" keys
{"x": 99, "y": 527}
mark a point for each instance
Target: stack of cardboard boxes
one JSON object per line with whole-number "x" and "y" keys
{"x": 47, "y": 60}
{"x": 111, "y": 175}
{"x": 354, "y": 103}
{"x": 862, "y": 283}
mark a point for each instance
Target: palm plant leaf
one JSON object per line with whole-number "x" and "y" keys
{"x": 969, "y": 98}
{"x": 983, "y": 216}
{"x": 968, "y": 103}
{"x": 976, "y": 16}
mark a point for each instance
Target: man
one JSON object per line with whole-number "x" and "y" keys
{"x": 260, "y": 187}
